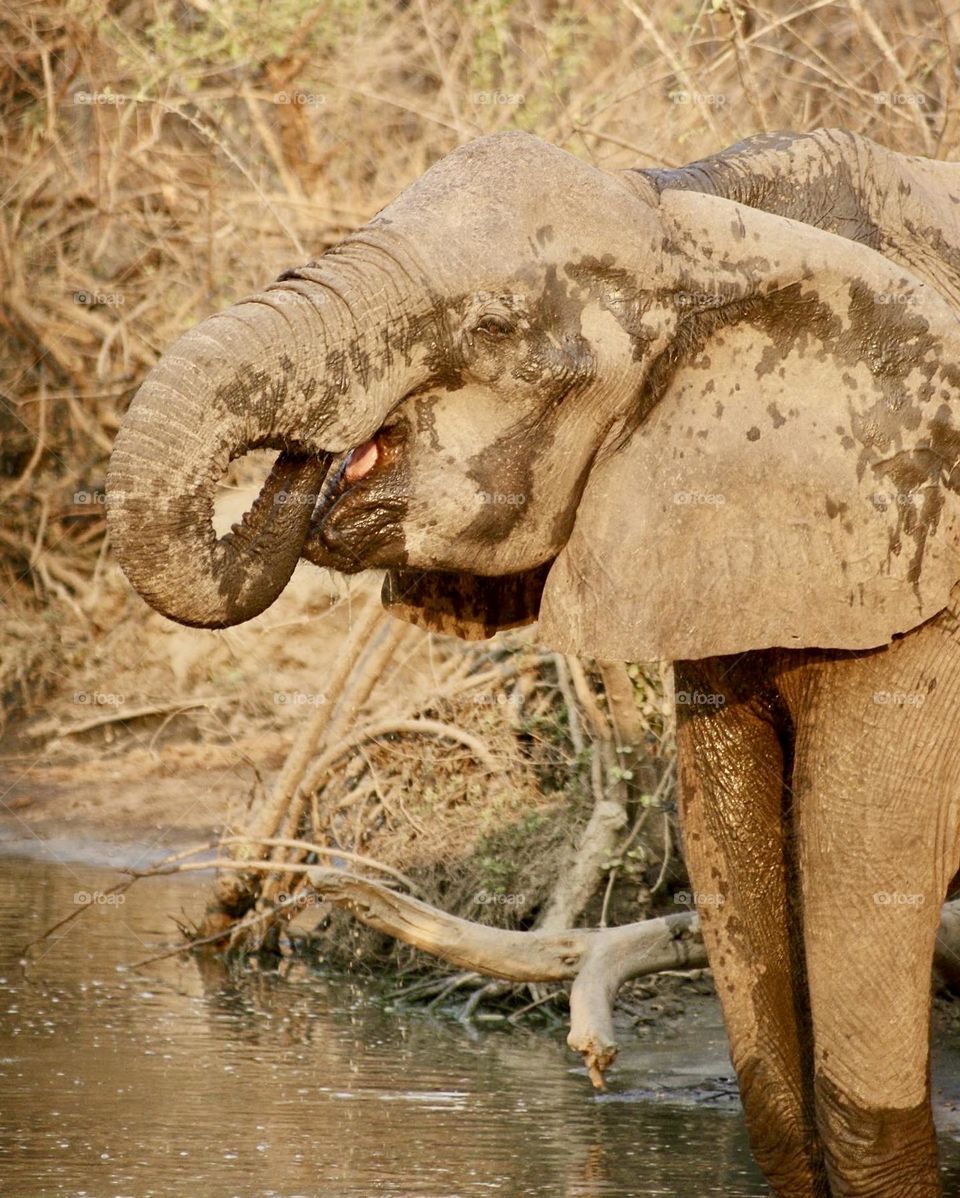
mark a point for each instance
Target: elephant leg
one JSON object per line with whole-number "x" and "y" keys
{"x": 876, "y": 782}
{"x": 733, "y": 759}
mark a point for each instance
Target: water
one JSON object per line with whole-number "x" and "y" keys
{"x": 179, "y": 1080}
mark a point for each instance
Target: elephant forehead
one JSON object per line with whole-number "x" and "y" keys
{"x": 502, "y": 201}
{"x": 504, "y": 172}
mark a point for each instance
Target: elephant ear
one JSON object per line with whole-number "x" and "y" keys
{"x": 465, "y": 605}
{"x": 790, "y": 476}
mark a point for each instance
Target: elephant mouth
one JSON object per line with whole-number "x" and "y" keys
{"x": 356, "y": 522}
{"x": 361, "y": 461}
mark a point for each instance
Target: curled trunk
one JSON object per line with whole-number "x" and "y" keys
{"x": 286, "y": 370}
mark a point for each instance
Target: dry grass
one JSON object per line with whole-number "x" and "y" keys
{"x": 161, "y": 158}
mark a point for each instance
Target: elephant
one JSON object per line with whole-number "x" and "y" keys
{"x": 708, "y": 414}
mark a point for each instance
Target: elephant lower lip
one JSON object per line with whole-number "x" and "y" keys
{"x": 348, "y": 537}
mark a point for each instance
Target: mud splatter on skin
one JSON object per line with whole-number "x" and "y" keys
{"x": 889, "y": 338}
{"x": 785, "y": 173}
{"x": 767, "y": 172}
{"x": 933, "y": 238}
{"x": 776, "y": 416}
{"x": 791, "y": 319}
{"x": 426, "y": 422}
{"x": 424, "y": 328}
{"x": 337, "y": 372}
{"x": 835, "y": 508}
{"x": 503, "y": 468}
{"x": 895, "y": 344}
{"x": 443, "y": 359}
{"x": 916, "y": 486}
{"x": 547, "y": 349}
{"x": 618, "y": 292}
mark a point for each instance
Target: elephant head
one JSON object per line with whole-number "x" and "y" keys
{"x": 665, "y": 422}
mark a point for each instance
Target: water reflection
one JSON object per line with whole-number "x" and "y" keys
{"x": 186, "y": 1080}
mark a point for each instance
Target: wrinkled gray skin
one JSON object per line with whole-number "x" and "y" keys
{"x": 708, "y": 414}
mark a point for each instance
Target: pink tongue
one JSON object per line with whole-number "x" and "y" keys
{"x": 361, "y": 461}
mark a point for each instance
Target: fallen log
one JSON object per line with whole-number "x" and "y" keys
{"x": 597, "y": 960}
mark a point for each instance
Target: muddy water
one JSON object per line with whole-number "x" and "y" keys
{"x": 180, "y": 1081}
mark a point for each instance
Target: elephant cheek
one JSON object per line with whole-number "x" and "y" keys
{"x": 499, "y": 496}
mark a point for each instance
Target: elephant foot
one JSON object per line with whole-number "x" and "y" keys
{"x": 790, "y": 1176}
{"x": 877, "y": 1153}
{"x": 782, "y": 1134}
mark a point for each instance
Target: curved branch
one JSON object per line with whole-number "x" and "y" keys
{"x": 419, "y": 726}
{"x": 307, "y": 846}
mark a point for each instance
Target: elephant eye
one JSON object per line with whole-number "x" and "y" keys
{"x": 493, "y": 325}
